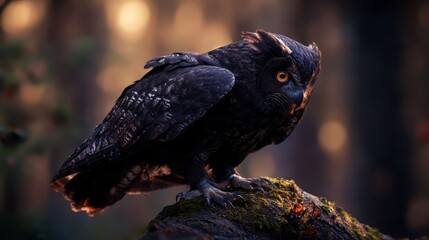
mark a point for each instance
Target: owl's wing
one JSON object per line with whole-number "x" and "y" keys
{"x": 157, "y": 108}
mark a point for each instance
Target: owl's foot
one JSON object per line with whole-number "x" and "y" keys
{"x": 250, "y": 183}
{"x": 188, "y": 195}
{"x": 212, "y": 195}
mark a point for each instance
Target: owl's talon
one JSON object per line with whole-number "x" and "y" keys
{"x": 214, "y": 196}
{"x": 266, "y": 181}
{"x": 250, "y": 183}
{"x": 178, "y": 196}
{"x": 258, "y": 188}
{"x": 238, "y": 196}
{"x": 188, "y": 195}
{"x": 227, "y": 203}
{"x": 207, "y": 203}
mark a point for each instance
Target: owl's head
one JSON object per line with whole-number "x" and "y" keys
{"x": 289, "y": 70}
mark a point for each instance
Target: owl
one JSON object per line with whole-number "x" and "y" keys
{"x": 192, "y": 119}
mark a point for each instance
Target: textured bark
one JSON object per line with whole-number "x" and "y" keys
{"x": 282, "y": 212}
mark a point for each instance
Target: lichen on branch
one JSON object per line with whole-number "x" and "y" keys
{"x": 282, "y": 211}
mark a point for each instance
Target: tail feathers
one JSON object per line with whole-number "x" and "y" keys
{"x": 93, "y": 191}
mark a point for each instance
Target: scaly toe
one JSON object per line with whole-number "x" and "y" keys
{"x": 214, "y": 196}
{"x": 188, "y": 195}
{"x": 250, "y": 183}
{"x": 233, "y": 196}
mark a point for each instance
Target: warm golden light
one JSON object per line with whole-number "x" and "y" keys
{"x": 111, "y": 79}
{"x": 215, "y": 35}
{"x": 133, "y": 16}
{"x": 188, "y": 19}
{"x": 332, "y": 136}
{"x": 19, "y": 17}
{"x": 190, "y": 24}
{"x": 128, "y": 19}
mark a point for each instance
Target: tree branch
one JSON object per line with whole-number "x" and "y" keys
{"x": 283, "y": 212}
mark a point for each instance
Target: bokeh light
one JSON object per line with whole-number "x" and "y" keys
{"x": 124, "y": 34}
{"x": 188, "y": 19}
{"x": 32, "y": 94}
{"x": 332, "y": 136}
{"x": 109, "y": 78}
{"x": 112, "y": 79}
{"x": 20, "y": 16}
{"x": 128, "y": 19}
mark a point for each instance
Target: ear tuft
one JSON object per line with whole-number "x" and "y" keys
{"x": 262, "y": 41}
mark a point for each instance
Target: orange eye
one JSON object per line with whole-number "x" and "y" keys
{"x": 282, "y": 76}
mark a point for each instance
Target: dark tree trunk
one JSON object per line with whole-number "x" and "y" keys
{"x": 76, "y": 41}
{"x": 382, "y": 169}
{"x": 283, "y": 212}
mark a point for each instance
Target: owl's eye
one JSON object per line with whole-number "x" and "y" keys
{"x": 282, "y": 76}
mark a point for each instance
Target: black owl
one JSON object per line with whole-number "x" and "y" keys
{"x": 192, "y": 120}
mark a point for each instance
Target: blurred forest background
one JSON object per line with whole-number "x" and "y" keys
{"x": 363, "y": 142}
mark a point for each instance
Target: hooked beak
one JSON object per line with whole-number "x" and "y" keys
{"x": 309, "y": 89}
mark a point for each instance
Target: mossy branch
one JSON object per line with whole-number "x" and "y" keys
{"x": 282, "y": 212}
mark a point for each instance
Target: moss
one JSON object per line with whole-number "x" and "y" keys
{"x": 278, "y": 211}
{"x": 360, "y": 230}
{"x": 254, "y": 213}
{"x": 351, "y": 223}
{"x": 371, "y": 233}
{"x": 275, "y": 203}
{"x": 323, "y": 200}
{"x": 184, "y": 210}
{"x": 328, "y": 206}
{"x": 263, "y": 211}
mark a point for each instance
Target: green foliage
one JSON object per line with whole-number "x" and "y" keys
{"x": 82, "y": 51}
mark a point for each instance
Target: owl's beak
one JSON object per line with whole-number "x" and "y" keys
{"x": 309, "y": 89}
{"x": 307, "y": 93}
